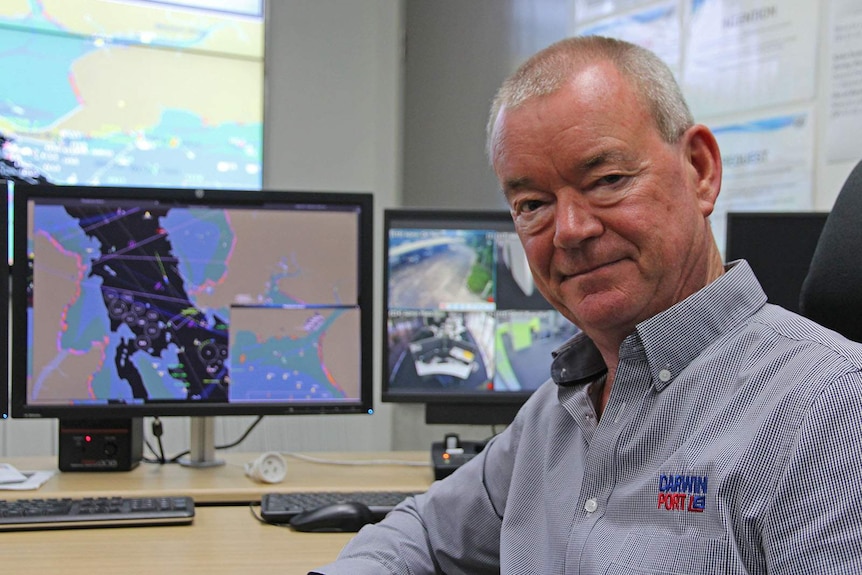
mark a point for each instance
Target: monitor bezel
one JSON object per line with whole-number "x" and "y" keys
{"x": 4, "y": 313}
{"x": 462, "y": 407}
{"x": 19, "y": 336}
{"x": 767, "y": 256}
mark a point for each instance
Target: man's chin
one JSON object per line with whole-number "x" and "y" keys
{"x": 606, "y": 309}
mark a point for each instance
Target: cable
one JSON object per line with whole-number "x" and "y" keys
{"x": 312, "y": 459}
{"x": 243, "y": 436}
{"x": 176, "y": 458}
{"x": 157, "y": 431}
{"x": 260, "y": 518}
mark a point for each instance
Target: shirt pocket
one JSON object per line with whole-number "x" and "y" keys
{"x": 669, "y": 554}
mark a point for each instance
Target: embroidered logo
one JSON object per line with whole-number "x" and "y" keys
{"x": 682, "y": 493}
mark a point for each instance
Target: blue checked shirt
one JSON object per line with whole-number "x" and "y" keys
{"x": 730, "y": 444}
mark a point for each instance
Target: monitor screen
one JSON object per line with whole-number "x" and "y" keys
{"x": 467, "y": 332}
{"x": 133, "y": 93}
{"x": 156, "y": 301}
{"x": 778, "y": 246}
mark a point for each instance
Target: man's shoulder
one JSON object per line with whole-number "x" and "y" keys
{"x": 794, "y": 334}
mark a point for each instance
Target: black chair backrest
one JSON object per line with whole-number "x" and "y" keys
{"x": 832, "y": 291}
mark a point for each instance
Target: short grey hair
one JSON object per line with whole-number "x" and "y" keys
{"x": 547, "y": 71}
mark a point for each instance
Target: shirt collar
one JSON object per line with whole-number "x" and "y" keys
{"x": 671, "y": 339}
{"x": 577, "y": 361}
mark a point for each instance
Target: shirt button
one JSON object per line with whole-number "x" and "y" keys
{"x": 664, "y": 375}
{"x": 591, "y": 505}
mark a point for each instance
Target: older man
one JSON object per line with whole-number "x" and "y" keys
{"x": 690, "y": 427}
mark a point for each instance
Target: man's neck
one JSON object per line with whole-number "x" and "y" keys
{"x": 609, "y": 345}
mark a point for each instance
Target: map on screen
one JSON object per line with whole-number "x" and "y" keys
{"x": 135, "y": 302}
{"x": 132, "y": 93}
{"x": 139, "y": 93}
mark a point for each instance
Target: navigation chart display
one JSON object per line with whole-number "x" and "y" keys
{"x": 132, "y": 93}
{"x": 138, "y": 298}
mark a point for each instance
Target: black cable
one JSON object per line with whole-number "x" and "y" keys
{"x": 243, "y": 436}
{"x": 182, "y": 454}
{"x": 157, "y": 431}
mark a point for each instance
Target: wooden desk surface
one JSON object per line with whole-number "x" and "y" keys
{"x": 222, "y": 540}
{"x": 228, "y": 483}
{"x": 225, "y": 536}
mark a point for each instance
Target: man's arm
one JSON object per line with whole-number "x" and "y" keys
{"x": 815, "y": 519}
{"x": 453, "y": 528}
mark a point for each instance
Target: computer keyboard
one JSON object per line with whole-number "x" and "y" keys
{"x": 282, "y": 507}
{"x": 66, "y": 513}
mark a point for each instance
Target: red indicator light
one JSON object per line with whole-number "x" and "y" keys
{"x": 445, "y": 456}
{"x": 88, "y": 438}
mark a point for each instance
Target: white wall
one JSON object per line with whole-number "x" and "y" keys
{"x": 333, "y": 123}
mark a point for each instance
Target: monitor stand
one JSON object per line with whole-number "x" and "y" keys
{"x": 202, "y": 446}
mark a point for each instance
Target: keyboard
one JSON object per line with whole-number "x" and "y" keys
{"x": 66, "y": 513}
{"x": 281, "y": 507}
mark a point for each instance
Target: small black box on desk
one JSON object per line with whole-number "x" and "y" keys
{"x": 101, "y": 444}
{"x": 451, "y": 453}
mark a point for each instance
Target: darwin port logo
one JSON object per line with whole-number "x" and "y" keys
{"x": 685, "y": 493}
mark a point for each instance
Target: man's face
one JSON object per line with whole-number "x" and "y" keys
{"x": 609, "y": 214}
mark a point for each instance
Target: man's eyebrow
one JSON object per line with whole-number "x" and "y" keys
{"x": 515, "y": 184}
{"x": 606, "y": 157}
{"x": 597, "y": 160}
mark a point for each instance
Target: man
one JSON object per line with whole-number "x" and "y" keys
{"x": 690, "y": 427}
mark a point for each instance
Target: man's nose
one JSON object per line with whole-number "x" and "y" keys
{"x": 575, "y": 220}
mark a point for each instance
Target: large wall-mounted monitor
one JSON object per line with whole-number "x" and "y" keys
{"x": 467, "y": 332}
{"x": 778, "y": 246}
{"x": 133, "y": 93}
{"x": 157, "y": 301}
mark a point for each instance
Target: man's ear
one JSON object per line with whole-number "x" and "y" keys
{"x": 704, "y": 164}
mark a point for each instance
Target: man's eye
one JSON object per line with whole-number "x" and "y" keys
{"x": 528, "y": 206}
{"x": 610, "y": 179}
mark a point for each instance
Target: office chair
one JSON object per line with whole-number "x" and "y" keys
{"x": 831, "y": 293}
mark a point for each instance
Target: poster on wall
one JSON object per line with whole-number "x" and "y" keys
{"x": 589, "y": 9}
{"x": 767, "y": 165}
{"x": 655, "y": 28}
{"x": 844, "y": 121}
{"x": 747, "y": 54}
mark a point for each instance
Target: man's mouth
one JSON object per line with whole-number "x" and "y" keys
{"x": 588, "y": 269}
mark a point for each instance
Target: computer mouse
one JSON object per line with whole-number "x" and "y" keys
{"x": 346, "y": 516}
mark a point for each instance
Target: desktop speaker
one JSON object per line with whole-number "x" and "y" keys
{"x": 101, "y": 444}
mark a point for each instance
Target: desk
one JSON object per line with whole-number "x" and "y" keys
{"x": 225, "y": 536}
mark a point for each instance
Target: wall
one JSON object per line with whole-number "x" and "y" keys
{"x": 459, "y": 52}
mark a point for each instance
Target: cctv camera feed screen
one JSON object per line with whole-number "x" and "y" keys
{"x": 463, "y": 314}
{"x": 140, "y": 299}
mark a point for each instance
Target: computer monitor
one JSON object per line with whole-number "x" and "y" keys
{"x": 467, "y": 332}
{"x": 778, "y": 246}
{"x": 4, "y": 318}
{"x": 159, "y": 302}
{"x": 130, "y": 93}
